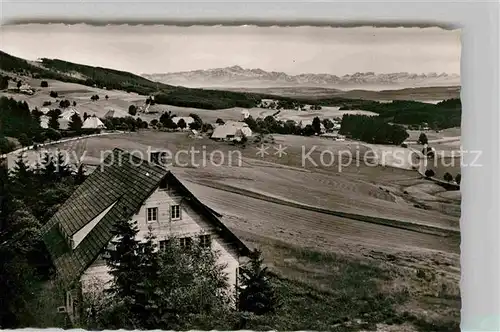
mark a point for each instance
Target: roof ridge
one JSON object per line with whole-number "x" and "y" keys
{"x": 150, "y": 164}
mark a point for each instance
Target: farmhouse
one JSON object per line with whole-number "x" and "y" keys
{"x": 67, "y": 114}
{"x": 335, "y": 136}
{"x": 231, "y": 130}
{"x": 127, "y": 187}
{"x": 93, "y": 122}
{"x": 112, "y": 113}
{"x": 26, "y": 89}
{"x": 44, "y": 121}
{"x": 305, "y": 123}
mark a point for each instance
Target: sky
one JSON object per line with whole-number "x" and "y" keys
{"x": 293, "y": 50}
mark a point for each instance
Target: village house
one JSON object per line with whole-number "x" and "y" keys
{"x": 93, "y": 122}
{"x": 231, "y": 130}
{"x": 130, "y": 188}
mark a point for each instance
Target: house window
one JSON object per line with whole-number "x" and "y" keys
{"x": 152, "y": 214}
{"x": 175, "y": 212}
{"x": 205, "y": 241}
{"x": 163, "y": 245}
{"x": 186, "y": 242}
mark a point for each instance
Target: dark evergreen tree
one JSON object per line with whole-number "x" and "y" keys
{"x": 123, "y": 260}
{"x": 24, "y": 140}
{"x": 75, "y": 123}
{"x": 181, "y": 124}
{"x": 422, "y": 139}
{"x": 54, "y": 119}
{"x": 80, "y": 175}
{"x": 447, "y": 177}
{"x": 63, "y": 169}
{"x": 429, "y": 173}
{"x": 147, "y": 298}
{"x": 132, "y": 110}
{"x": 256, "y": 293}
{"x": 21, "y": 183}
{"x": 316, "y": 124}
{"x": 4, "y": 82}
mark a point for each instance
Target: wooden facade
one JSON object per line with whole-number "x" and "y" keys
{"x": 189, "y": 224}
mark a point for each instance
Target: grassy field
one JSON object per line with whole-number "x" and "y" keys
{"x": 376, "y": 292}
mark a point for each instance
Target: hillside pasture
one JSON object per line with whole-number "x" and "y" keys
{"x": 356, "y": 188}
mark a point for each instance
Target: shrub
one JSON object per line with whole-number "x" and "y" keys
{"x": 24, "y": 140}
{"x": 429, "y": 173}
{"x": 447, "y": 177}
{"x": 132, "y": 110}
{"x": 44, "y": 84}
{"x": 54, "y": 94}
{"x": 53, "y": 135}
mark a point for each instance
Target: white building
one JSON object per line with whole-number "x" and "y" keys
{"x": 93, "y": 122}
{"x": 231, "y": 130}
{"x": 78, "y": 233}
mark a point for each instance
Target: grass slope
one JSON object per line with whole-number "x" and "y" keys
{"x": 119, "y": 80}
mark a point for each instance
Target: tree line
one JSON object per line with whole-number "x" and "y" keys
{"x": 29, "y": 196}
{"x": 445, "y": 114}
{"x": 372, "y": 129}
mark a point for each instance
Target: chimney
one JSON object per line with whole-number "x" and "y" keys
{"x": 154, "y": 157}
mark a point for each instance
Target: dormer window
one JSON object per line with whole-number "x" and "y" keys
{"x": 164, "y": 184}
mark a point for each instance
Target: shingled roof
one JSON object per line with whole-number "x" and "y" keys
{"x": 125, "y": 181}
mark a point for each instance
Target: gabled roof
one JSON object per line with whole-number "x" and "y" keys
{"x": 93, "y": 122}
{"x": 125, "y": 181}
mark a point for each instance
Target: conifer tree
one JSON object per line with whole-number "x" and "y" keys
{"x": 147, "y": 297}
{"x": 63, "y": 170}
{"x": 80, "y": 175}
{"x": 256, "y": 293}
{"x": 54, "y": 119}
{"x": 22, "y": 178}
{"x": 48, "y": 171}
{"x": 123, "y": 260}
{"x": 75, "y": 122}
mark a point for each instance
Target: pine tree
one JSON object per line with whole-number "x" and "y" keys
{"x": 147, "y": 298}
{"x": 48, "y": 172}
{"x": 75, "y": 123}
{"x": 256, "y": 293}
{"x": 54, "y": 121}
{"x": 63, "y": 170}
{"x": 22, "y": 178}
{"x": 123, "y": 260}
{"x": 80, "y": 175}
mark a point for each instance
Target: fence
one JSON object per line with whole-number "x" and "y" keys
{"x": 31, "y": 147}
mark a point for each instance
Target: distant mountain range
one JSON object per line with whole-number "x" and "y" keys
{"x": 237, "y": 76}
